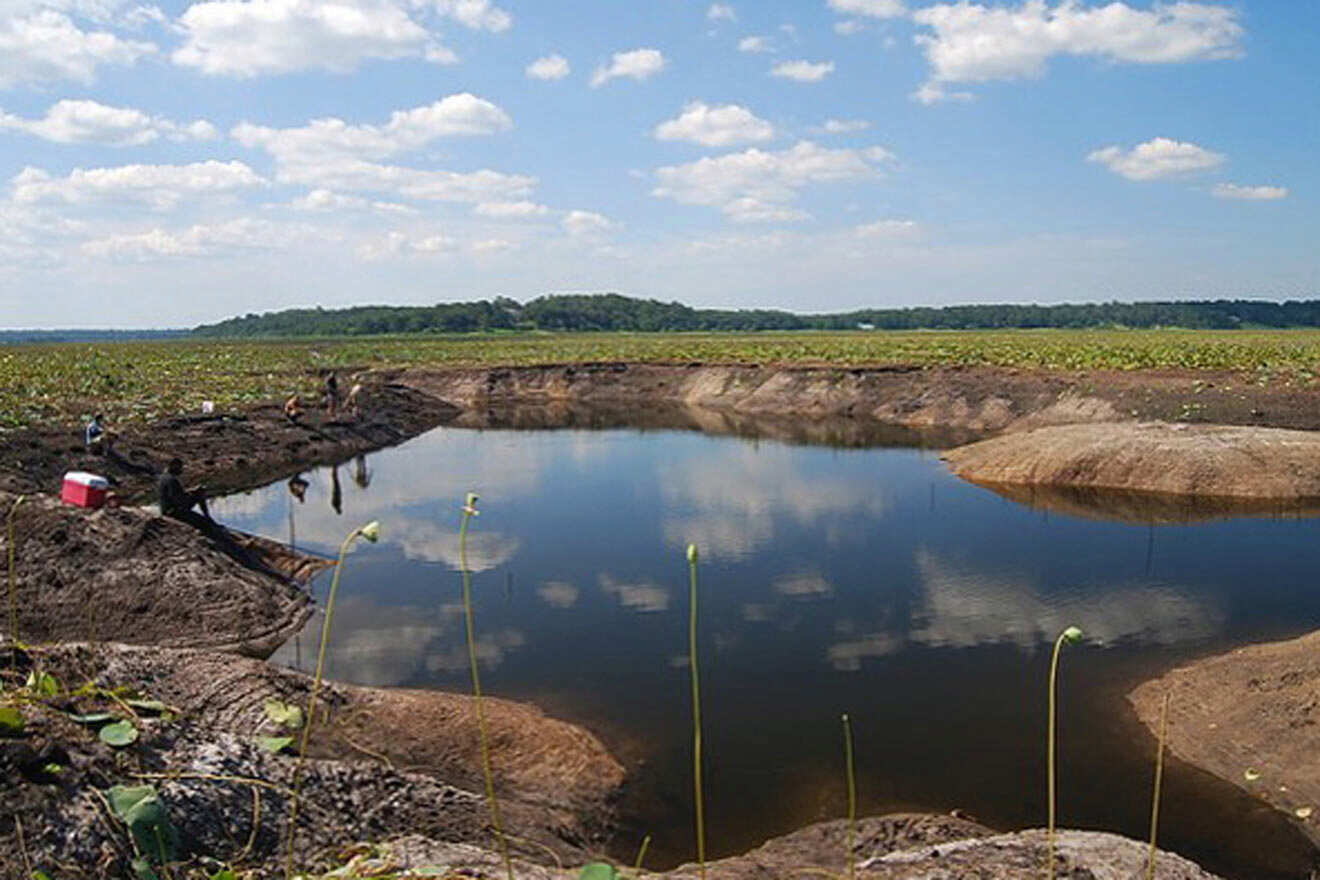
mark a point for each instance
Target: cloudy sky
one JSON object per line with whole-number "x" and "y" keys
{"x": 172, "y": 164}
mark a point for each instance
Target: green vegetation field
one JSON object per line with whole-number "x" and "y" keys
{"x": 137, "y": 381}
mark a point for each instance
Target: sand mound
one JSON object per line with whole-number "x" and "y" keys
{"x": 1211, "y": 461}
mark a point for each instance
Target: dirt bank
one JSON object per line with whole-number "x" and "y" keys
{"x": 385, "y": 762}
{"x": 937, "y": 406}
{"x": 127, "y": 574}
{"x": 225, "y": 451}
{"x": 1147, "y": 508}
{"x": 1208, "y": 461}
{"x": 1249, "y": 716}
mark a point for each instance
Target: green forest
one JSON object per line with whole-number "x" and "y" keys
{"x": 613, "y": 312}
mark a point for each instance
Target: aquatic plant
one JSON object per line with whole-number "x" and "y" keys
{"x": 1071, "y": 635}
{"x": 1159, "y": 777}
{"x": 696, "y": 708}
{"x": 852, "y": 793}
{"x": 13, "y": 578}
{"x": 369, "y": 532}
{"x": 469, "y": 510}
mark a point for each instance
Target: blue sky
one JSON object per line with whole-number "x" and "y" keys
{"x": 166, "y": 165}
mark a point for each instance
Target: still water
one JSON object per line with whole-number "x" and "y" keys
{"x": 866, "y": 581}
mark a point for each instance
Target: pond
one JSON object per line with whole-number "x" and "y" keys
{"x": 859, "y": 580}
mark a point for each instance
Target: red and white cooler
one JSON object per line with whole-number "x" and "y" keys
{"x": 84, "y": 490}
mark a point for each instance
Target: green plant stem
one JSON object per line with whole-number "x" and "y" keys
{"x": 641, "y": 853}
{"x": 476, "y": 692}
{"x": 1159, "y": 778}
{"x": 13, "y": 579}
{"x": 1054, "y": 674}
{"x": 696, "y": 711}
{"x": 310, "y": 715}
{"x": 852, "y": 793}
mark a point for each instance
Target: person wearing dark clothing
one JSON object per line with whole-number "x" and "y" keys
{"x": 331, "y": 395}
{"x": 96, "y": 438}
{"x": 177, "y": 502}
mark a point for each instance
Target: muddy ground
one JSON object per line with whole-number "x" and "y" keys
{"x": 127, "y": 574}
{"x": 396, "y": 761}
{"x": 1251, "y": 716}
{"x": 380, "y": 763}
{"x": 933, "y": 406}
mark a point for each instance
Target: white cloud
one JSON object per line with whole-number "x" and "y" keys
{"x": 87, "y": 122}
{"x": 970, "y": 42}
{"x": 522, "y": 210}
{"x": 490, "y": 246}
{"x": 329, "y": 139}
{"x": 196, "y": 241}
{"x": 882, "y": 229}
{"x": 249, "y": 37}
{"x": 46, "y": 46}
{"x": 1249, "y": 193}
{"x": 844, "y": 126}
{"x": 849, "y": 27}
{"x": 934, "y": 93}
{"x": 586, "y": 224}
{"x": 721, "y": 12}
{"x": 755, "y": 44}
{"x": 872, "y": 8}
{"x": 757, "y": 185}
{"x": 476, "y": 14}
{"x": 161, "y": 186}
{"x": 721, "y": 126}
{"x": 638, "y": 64}
{"x": 550, "y": 67}
{"x": 324, "y": 200}
{"x": 1157, "y": 158}
{"x": 803, "y": 71}
{"x": 446, "y": 186}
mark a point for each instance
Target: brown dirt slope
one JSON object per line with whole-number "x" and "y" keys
{"x": 226, "y": 451}
{"x": 1252, "y": 713}
{"x": 384, "y": 763}
{"x": 1214, "y": 461}
{"x": 536, "y": 758}
{"x": 129, "y": 575}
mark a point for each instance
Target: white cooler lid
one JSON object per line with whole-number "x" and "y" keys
{"x": 91, "y": 481}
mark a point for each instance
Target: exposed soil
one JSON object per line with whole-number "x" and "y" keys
{"x": 1204, "y": 461}
{"x": 225, "y": 451}
{"x": 934, "y": 406}
{"x": 399, "y": 760}
{"x": 1148, "y": 508}
{"x": 127, "y": 574}
{"x": 382, "y": 762}
{"x": 1249, "y": 716}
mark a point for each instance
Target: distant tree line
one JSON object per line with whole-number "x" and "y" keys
{"x": 612, "y": 312}
{"x": 15, "y": 337}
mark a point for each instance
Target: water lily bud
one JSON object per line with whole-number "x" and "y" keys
{"x": 371, "y": 531}
{"x": 470, "y": 504}
{"x": 1072, "y": 634}
{"x": 692, "y": 553}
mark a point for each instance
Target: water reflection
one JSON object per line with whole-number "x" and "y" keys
{"x": 833, "y": 579}
{"x": 963, "y": 606}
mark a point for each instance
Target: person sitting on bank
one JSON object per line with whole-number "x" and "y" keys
{"x": 95, "y": 437}
{"x": 177, "y": 502}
